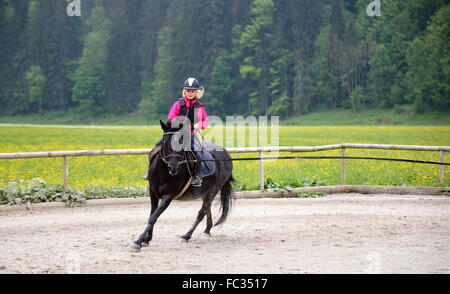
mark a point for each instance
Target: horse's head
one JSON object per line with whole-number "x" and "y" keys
{"x": 174, "y": 142}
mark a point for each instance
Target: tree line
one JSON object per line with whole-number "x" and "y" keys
{"x": 259, "y": 57}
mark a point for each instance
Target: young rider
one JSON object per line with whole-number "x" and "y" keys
{"x": 191, "y": 108}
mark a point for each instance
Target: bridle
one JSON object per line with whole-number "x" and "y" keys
{"x": 165, "y": 158}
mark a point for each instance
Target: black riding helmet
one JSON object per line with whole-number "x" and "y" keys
{"x": 191, "y": 84}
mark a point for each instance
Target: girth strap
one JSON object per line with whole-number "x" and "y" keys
{"x": 184, "y": 188}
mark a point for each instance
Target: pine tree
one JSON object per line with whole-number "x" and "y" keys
{"x": 255, "y": 41}
{"x": 381, "y": 78}
{"x": 300, "y": 22}
{"x": 152, "y": 19}
{"x": 36, "y": 86}
{"x": 160, "y": 92}
{"x": 89, "y": 89}
{"x": 13, "y": 17}
{"x": 438, "y": 49}
{"x": 220, "y": 86}
{"x": 123, "y": 81}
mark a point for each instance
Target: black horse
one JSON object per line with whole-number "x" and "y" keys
{"x": 169, "y": 174}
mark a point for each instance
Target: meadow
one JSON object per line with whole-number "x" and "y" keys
{"x": 125, "y": 172}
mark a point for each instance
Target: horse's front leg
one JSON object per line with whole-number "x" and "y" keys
{"x": 154, "y": 205}
{"x": 165, "y": 201}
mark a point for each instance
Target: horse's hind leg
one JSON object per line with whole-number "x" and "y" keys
{"x": 206, "y": 207}
{"x": 209, "y": 222}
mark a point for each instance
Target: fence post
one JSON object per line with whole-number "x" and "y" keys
{"x": 441, "y": 176}
{"x": 66, "y": 173}
{"x": 344, "y": 168}
{"x": 261, "y": 172}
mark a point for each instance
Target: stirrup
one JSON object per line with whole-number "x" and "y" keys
{"x": 196, "y": 182}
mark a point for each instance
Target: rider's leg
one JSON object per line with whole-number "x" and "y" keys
{"x": 197, "y": 180}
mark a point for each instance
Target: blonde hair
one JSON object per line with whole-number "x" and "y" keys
{"x": 199, "y": 94}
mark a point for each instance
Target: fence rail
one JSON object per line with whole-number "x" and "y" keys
{"x": 259, "y": 150}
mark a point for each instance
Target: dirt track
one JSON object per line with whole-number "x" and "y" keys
{"x": 348, "y": 233}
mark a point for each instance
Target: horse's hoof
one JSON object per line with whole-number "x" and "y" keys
{"x": 185, "y": 239}
{"x": 144, "y": 244}
{"x": 207, "y": 234}
{"x": 135, "y": 247}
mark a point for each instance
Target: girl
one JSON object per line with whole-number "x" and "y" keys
{"x": 194, "y": 111}
{"x": 190, "y": 107}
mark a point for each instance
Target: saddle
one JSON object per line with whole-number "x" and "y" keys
{"x": 209, "y": 165}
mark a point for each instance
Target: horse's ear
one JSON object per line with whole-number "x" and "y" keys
{"x": 163, "y": 125}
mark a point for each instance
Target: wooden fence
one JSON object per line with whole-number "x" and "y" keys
{"x": 260, "y": 150}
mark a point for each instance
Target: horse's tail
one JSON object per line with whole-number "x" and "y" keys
{"x": 227, "y": 197}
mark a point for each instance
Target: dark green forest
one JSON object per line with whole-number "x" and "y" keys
{"x": 254, "y": 57}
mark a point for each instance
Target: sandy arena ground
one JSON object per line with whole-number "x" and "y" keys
{"x": 344, "y": 233}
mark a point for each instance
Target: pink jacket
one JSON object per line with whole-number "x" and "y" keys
{"x": 201, "y": 116}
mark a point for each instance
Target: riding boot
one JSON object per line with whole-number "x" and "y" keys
{"x": 197, "y": 181}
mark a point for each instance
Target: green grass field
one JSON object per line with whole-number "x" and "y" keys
{"x": 126, "y": 171}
